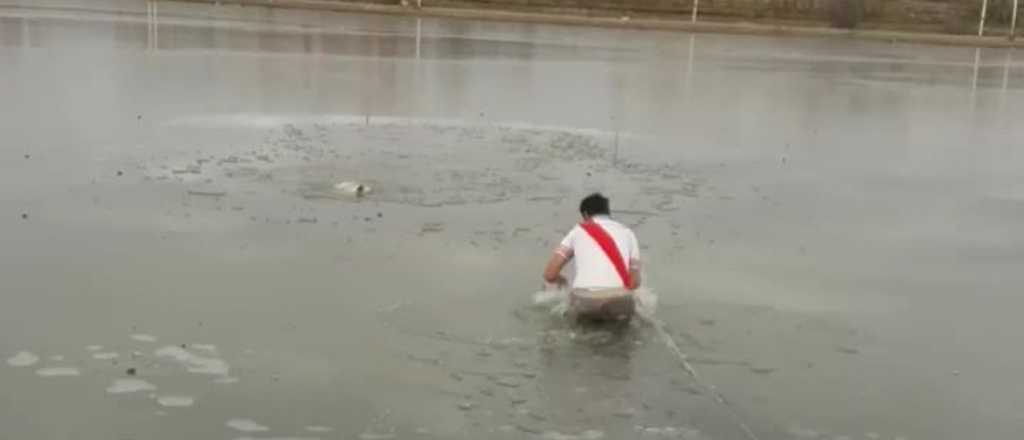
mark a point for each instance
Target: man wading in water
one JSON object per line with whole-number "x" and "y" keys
{"x": 607, "y": 262}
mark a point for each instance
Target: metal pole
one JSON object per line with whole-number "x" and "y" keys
{"x": 693, "y": 14}
{"x": 984, "y": 12}
{"x": 1013, "y": 22}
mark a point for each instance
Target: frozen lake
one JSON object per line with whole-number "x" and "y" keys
{"x": 835, "y": 229}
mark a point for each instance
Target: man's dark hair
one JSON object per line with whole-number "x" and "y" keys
{"x": 594, "y": 204}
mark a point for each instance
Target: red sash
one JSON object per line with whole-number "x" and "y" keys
{"x": 607, "y": 244}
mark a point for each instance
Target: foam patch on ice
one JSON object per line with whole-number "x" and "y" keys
{"x": 319, "y": 428}
{"x": 175, "y": 401}
{"x": 94, "y": 347}
{"x": 376, "y": 436}
{"x": 195, "y": 363}
{"x": 591, "y": 434}
{"x": 246, "y": 425}
{"x": 142, "y": 337}
{"x": 124, "y": 386}
{"x": 277, "y": 438}
{"x": 205, "y": 347}
{"x": 23, "y": 359}
{"x": 106, "y": 356}
{"x": 57, "y": 372}
{"x": 669, "y": 432}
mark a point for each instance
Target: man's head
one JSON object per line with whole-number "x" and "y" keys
{"x": 594, "y": 204}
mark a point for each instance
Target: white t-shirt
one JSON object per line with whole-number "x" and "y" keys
{"x": 593, "y": 268}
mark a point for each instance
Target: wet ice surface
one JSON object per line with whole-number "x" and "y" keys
{"x": 194, "y": 363}
{"x": 317, "y": 428}
{"x": 246, "y": 425}
{"x": 106, "y": 356}
{"x": 175, "y": 401}
{"x": 125, "y": 386}
{"x": 141, "y": 337}
{"x": 832, "y": 226}
{"x": 277, "y": 438}
{"x": 57, "y": 372}
{"x": 205, "y": 347}
{"x": 22, "y": 359}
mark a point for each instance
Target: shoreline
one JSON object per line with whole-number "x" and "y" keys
{"x": 661, "y": 24}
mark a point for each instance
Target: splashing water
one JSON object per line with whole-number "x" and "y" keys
{"x": 646, "y": 301}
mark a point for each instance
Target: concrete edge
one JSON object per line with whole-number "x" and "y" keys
{"x": 642, "y": 24}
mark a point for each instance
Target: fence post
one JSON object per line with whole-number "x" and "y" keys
{"x": 693, "y": 13}
{"x": 981, "y": 23}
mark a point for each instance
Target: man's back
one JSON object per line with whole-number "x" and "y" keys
{"x": 594, "y": 270}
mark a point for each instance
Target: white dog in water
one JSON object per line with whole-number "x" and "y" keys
{"x": 353, "y": 188}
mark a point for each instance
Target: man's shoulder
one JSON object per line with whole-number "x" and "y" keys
{"x": 573, "y": 232}
{"x": 609, "y": 223}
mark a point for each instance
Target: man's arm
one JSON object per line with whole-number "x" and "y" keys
{"x": 563, "y": 253}
{"x": 553, "y": 271}
{"x": 634, "y": 261}
{"x": 634, "y": 273}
